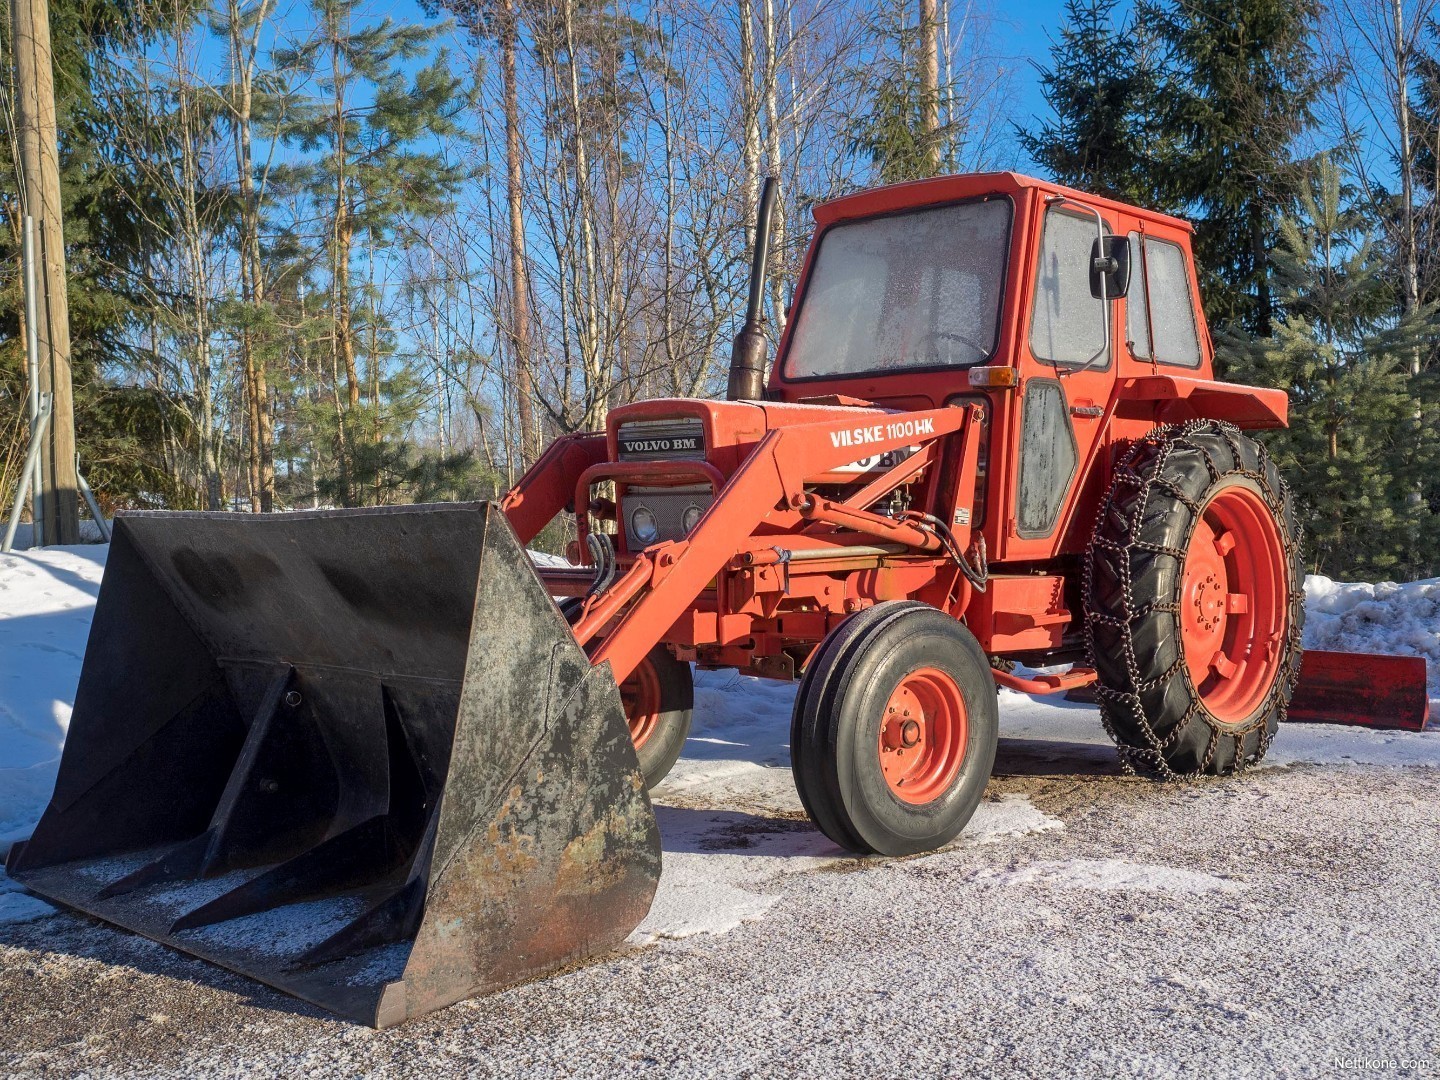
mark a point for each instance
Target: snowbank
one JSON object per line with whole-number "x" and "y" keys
{"x": 1383, "y": 618}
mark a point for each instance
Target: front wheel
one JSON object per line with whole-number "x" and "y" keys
{"x": 1194, "y": 602}
{"x": 659, "y": 701}
{"x": 894, "y": 730}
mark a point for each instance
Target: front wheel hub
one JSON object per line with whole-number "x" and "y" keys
{"x": 923, "y": 736}
{"x": 641, "y": 697}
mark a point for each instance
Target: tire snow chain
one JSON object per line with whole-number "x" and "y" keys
{"x": 1155, "y": 448}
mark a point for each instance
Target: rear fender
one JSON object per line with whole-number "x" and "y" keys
{"x": 1176, "y": 399}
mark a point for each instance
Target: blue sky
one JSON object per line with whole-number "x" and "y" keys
{"x": 1025, "y": 31}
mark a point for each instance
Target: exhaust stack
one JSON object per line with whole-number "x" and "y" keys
{"x": 747, "y": 355}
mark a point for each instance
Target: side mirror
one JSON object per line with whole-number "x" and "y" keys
{"x": 1109, "y": 267}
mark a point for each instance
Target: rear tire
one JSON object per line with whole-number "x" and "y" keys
{"x": 1194, "y": 601}
{"x": 894, "y": 731}
{"x": 659, "y": 701}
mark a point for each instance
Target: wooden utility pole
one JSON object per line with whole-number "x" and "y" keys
{"x": 40, "y": 190}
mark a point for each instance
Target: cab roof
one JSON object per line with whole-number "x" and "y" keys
{"x": 942, "y": 189}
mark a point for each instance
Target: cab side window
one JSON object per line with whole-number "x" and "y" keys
{"x": 1161, "y": 288}
{"x": 1067, "y": 326}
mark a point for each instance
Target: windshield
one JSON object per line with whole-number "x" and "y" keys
{"x": 914, "y": 290}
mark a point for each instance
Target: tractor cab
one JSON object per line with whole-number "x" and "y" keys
{"x": 908, "y": 289}
{"x": 1064, "y": 315}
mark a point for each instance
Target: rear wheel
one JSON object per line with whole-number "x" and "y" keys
{"x": 894, "y": 730}
{"x": 1194, "y": 601}
{"x": 659, "y": 700}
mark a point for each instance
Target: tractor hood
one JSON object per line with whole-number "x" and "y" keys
{"x": 723, "y": 433}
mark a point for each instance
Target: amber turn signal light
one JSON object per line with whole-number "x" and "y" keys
{"x": 994, "y": 376}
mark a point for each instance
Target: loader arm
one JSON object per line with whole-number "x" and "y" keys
{"x": 772, "y": 479}
{"x": 548, "y": 486}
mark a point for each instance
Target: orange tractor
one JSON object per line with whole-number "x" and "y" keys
{"x": 366, "y": 757}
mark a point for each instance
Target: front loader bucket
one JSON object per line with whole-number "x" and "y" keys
{"x": 356, "y": 755}
{"x": 1362, "y": 689}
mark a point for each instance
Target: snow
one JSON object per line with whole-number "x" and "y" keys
{"x": 1383, "y": 618}
{"x": 46, "y": 600}
{"x": 731, "y": 820}
{"x": 1109, "y": 875}
{"x": 25, "y": 534}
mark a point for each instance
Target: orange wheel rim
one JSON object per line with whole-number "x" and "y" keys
{"x": 640, "y": 695}
{"x": 1234, "y": 596}
{"x": 923, "y": 735}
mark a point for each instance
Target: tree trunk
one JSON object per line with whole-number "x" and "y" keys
{"x": 1409, "y": 254}
{"x": 930, "y": 84}
{"x": 1261, "y": 268}
{"x": 519, "y": 269}
{"x": 776, "y": 264}
{"x": 343, "y": 237}
{"x": 252, "y": 283}
{"x": 750, "y": 118}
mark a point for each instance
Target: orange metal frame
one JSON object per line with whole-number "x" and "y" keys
{"x": 774, "y": 565}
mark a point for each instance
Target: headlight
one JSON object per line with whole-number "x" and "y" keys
{"x": 644, "y": 525}
{"x": 691, "y": 518}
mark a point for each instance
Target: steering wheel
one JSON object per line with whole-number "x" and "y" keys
{"x": 937, "y": 336}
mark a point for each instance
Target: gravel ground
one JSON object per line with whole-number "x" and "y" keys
{"x": 1281, "y": 923}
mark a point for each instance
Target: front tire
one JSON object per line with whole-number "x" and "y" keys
{"x": 894, "y": 731}
{"x": 659, "y": 702}
{"x": 1194, "y": 601}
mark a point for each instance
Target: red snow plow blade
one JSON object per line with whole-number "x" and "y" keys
{"x": 1362, "y": 689}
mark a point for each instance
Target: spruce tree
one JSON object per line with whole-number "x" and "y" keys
{"x": 1101, "y": 88}
{"x": 1343, "y": 356}
{"x": 1241, "y": 83}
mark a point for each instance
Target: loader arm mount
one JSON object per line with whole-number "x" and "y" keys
{"x": 664, "y": 581}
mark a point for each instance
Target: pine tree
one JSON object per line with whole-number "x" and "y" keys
{"x": 1342, "y": 355}
{"x": 1101, "y": 88}
{"x": 1241, "y": 83}
{"x": 374, "y": 123}
{"x": 896, "y": 133}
